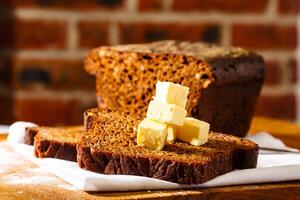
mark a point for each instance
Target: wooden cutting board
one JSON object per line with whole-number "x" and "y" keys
{"x": 55, "y": 188}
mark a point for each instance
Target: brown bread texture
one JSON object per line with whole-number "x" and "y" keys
{"x": 109, "y": 146}
{"x": 224, "y": 82}
{"x": 30, "y": 132}
{"x": 57, "y": 143}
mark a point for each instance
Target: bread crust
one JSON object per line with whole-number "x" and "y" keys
{"x": 54, "y": 149}
{"x": 30, "y": 133}
{"x": 168, "y": 170}
{"x": 57, "y": 143}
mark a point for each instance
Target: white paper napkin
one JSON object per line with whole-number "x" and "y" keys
{"x": 3, "y": 129}
{"x": 272, "y": 167}
{"x": 16, "y": 131}
{"x": 265, "y": 140}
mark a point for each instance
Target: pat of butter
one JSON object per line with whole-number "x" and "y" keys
{"x": 193, "y": 131}
{"x": 152, "y": 134}
{"x": 172, "y": 132}
{"x": 167, "y": 113}
{"x": 171, "y": 93}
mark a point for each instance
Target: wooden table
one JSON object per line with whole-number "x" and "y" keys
{"x": 286, "y": 131}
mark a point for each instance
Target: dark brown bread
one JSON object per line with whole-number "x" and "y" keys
{"x": 224, "y": 82}
{"x": 30, "y": 132}
{"x": 57, "y": 143}
{"x": 109, "y": 146}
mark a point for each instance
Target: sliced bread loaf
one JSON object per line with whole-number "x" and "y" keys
{"x": 109, "y": 146}
{"x": 220, "y": 78}
{"x": 57, "y": 142}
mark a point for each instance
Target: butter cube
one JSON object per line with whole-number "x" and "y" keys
{"x": 152, "y": 134}
{"x": 167, "y": 113}
{"x": 193, "y": 131}
{"x": 171, "y": 93}
{"x": 172, "y": 132}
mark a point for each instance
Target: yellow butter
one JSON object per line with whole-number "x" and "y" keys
{"x": 171, "y": 93}
{"x": 152, "y": 134}
{"x": 166, "y": 113}
{"x": 172, "y": 132}
{"x": 193, "y": 131}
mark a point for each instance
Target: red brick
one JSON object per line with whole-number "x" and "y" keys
{"x": 5, "y": 71}
{"x": 40, "y": 34}
{"x": 49, "y": 111}
{"x": 71, "y": 4}
{"x": 273, "y": 73}
{"x": 6, "y": 4}
{"x": 6, "y": 109}
{"x": 289, "y": 6}
{"x": 277, "y": 106}
{"x": 7, "y": 32}
{"x": 146, "y": 32}
{"x": 30, "y": 74}
{"x": 293, "y": 72}
{"x": 92, "y": 34}
{"x": 150, "y": 5}
{"x": 231, "y": 6}
{"x": 264, "y": 36}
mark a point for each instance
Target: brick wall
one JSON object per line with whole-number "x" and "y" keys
{"x": 43, "y": 42}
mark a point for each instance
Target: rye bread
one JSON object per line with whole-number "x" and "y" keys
{"x": 30, "y": 132}
{"x": 224, "y": 82}
{"x": 57, "y": 143}
{"x": 109, "y": 146}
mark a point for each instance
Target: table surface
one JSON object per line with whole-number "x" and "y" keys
{"x": 288, "y": 132}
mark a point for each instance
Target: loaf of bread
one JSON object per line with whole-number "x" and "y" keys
{"x": 109, "y": 146}
{"x": 57, "y": 143}
{"x": 224, "y": 82}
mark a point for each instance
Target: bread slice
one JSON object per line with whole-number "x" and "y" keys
{"x": 30, "y": 132}
{"x": 109, "y": 146}
{"x": 57, "y": 143}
